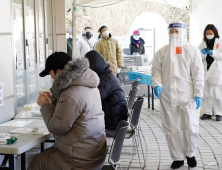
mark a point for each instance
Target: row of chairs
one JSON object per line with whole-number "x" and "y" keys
{"x": 128, "y": 129}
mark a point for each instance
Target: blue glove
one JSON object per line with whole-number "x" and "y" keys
{"x": 198, "y": 102}
{"x": 157, "y": 91}
{"x": 204, "y": 51}
{"x": 210, "y": 52}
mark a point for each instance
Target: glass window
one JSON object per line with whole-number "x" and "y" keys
{"x": 49, "y": 26}
{"x": 20, "y": 76}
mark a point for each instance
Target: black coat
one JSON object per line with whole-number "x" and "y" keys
{"x": 134, "y": 48}
{"x": 111, "y": 91}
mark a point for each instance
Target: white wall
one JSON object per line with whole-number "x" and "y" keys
{"x": 60, "y": 25}
{"x": 204, "y": 12}
{"x": 6, "y": 60}
{"x": 153, "y": 20}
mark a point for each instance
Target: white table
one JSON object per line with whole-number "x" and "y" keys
{"x": 23, "y": 143}
{"x": 26, "y": 114}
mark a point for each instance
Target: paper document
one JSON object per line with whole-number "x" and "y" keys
{"x": 31, "y": 131}
{"x": 16, "y": 123}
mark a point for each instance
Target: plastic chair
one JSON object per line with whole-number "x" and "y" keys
{"x": 135, "y": 83}
{"x": 115, "y": 152}
{"x": 131, "y": 98}
{"x": 134, "y": 131}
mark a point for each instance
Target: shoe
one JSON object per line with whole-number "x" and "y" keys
{"x": 191, "y": 162}
{"x": 205, "y": 116}
{"x": 177, "y": 164}
{"x": 218, "y": 117}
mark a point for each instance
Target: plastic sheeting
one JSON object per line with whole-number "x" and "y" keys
{"x": 204, "y": 12}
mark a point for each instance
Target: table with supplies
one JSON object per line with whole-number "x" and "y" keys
{"x": 144, "y": 79}
{"x": 30, "y": 130}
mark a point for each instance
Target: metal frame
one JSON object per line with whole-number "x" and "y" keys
{"x": 152, "y": 97}
{"x": 54, "y": 26}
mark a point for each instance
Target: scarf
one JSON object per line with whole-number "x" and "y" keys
{"x": 137, "y": 42}
{"x": 209, "y": 59}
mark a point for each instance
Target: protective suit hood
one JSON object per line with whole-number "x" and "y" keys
{"x": 179, "y": 38}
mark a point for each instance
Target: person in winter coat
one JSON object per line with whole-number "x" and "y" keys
{"x": 211, "y": 51}
{"x": 109, "y": 48}
{"x": 85, "y": 43}
{"x": 137, "y": 43}
{"x": 77, "y": 119}
{"x": 69, "y": 43}
{"x": 111, "y": 92}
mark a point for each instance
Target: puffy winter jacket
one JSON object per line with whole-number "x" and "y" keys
{"x": 111, "y": 92}
{"x": 111, "y": 51}
{"x": 84, "y": 45}
{"x": 77, "y": 121}
{"x": 134, "y": 48}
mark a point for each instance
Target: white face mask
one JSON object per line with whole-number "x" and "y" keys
{"x": 70, "y": 36}
{"x": 136, "y": 37}
{"x": 210, "y": 37}
{"x": 173, "y": 36}
{"x": 106, "y": 33}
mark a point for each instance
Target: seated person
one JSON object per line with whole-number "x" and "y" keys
{"x": 111, "y": 92}
{"x": 76, "y": 121}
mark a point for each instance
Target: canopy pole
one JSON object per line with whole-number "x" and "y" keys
{"x": 74, "y": 28}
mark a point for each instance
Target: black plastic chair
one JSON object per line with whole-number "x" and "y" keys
{"x": 115, "y": 152}
{"x": 135, "y": 83}
{"x": 134, "y": 132}
{"x": 131, "y": 98}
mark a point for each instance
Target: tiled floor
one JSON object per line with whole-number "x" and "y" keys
{"x": 208, "y": 153}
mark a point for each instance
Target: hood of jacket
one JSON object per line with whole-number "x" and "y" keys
{"x": 141, "y": 40}
{"x": 97, "y": 62}
{"x": 75, "y": 73}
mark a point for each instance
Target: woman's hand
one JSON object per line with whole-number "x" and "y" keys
{"x": 49, "y": 94}
{"x": 42, "y": 99}
{"x": 204, "y": 51}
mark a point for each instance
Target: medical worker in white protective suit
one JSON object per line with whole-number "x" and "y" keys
{"x": 211, "y": 51}
{"x": 178, "y": 78}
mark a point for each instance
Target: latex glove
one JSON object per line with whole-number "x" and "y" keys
{"x": 198, "y": 102}
{"x": 204, "y": 51}
{"x": 210, "y": 52}
{"x": 157, "y": 91}
{"x": 42, "y": 99}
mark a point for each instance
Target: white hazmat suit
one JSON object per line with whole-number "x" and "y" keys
{"x": 178, "y": 69}
{"x": 213, "y": 79}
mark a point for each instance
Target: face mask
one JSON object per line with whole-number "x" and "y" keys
{"x": 210, "y": 37}
{"x": 88, "y": 34}
{"x": 136, "y": 37}
{"x": 70, "y": 36}
{"x": 106, "y": 33}
{"x": 173, "y": 36}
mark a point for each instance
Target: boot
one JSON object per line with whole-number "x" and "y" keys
{"x": 218, "y": 117}
{"x": 205, "y": 116}
{"x": 177, "y": 164}
{"x": 191, "y": 162}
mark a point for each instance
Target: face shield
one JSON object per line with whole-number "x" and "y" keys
{"x": 177, "y": 32}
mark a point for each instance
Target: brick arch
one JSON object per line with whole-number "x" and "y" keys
{"x": 120, "y": 17}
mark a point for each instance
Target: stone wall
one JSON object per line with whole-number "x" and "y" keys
{"x": 120, "y": 16}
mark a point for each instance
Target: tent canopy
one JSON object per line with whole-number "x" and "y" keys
{"x": 176, "y": 3}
